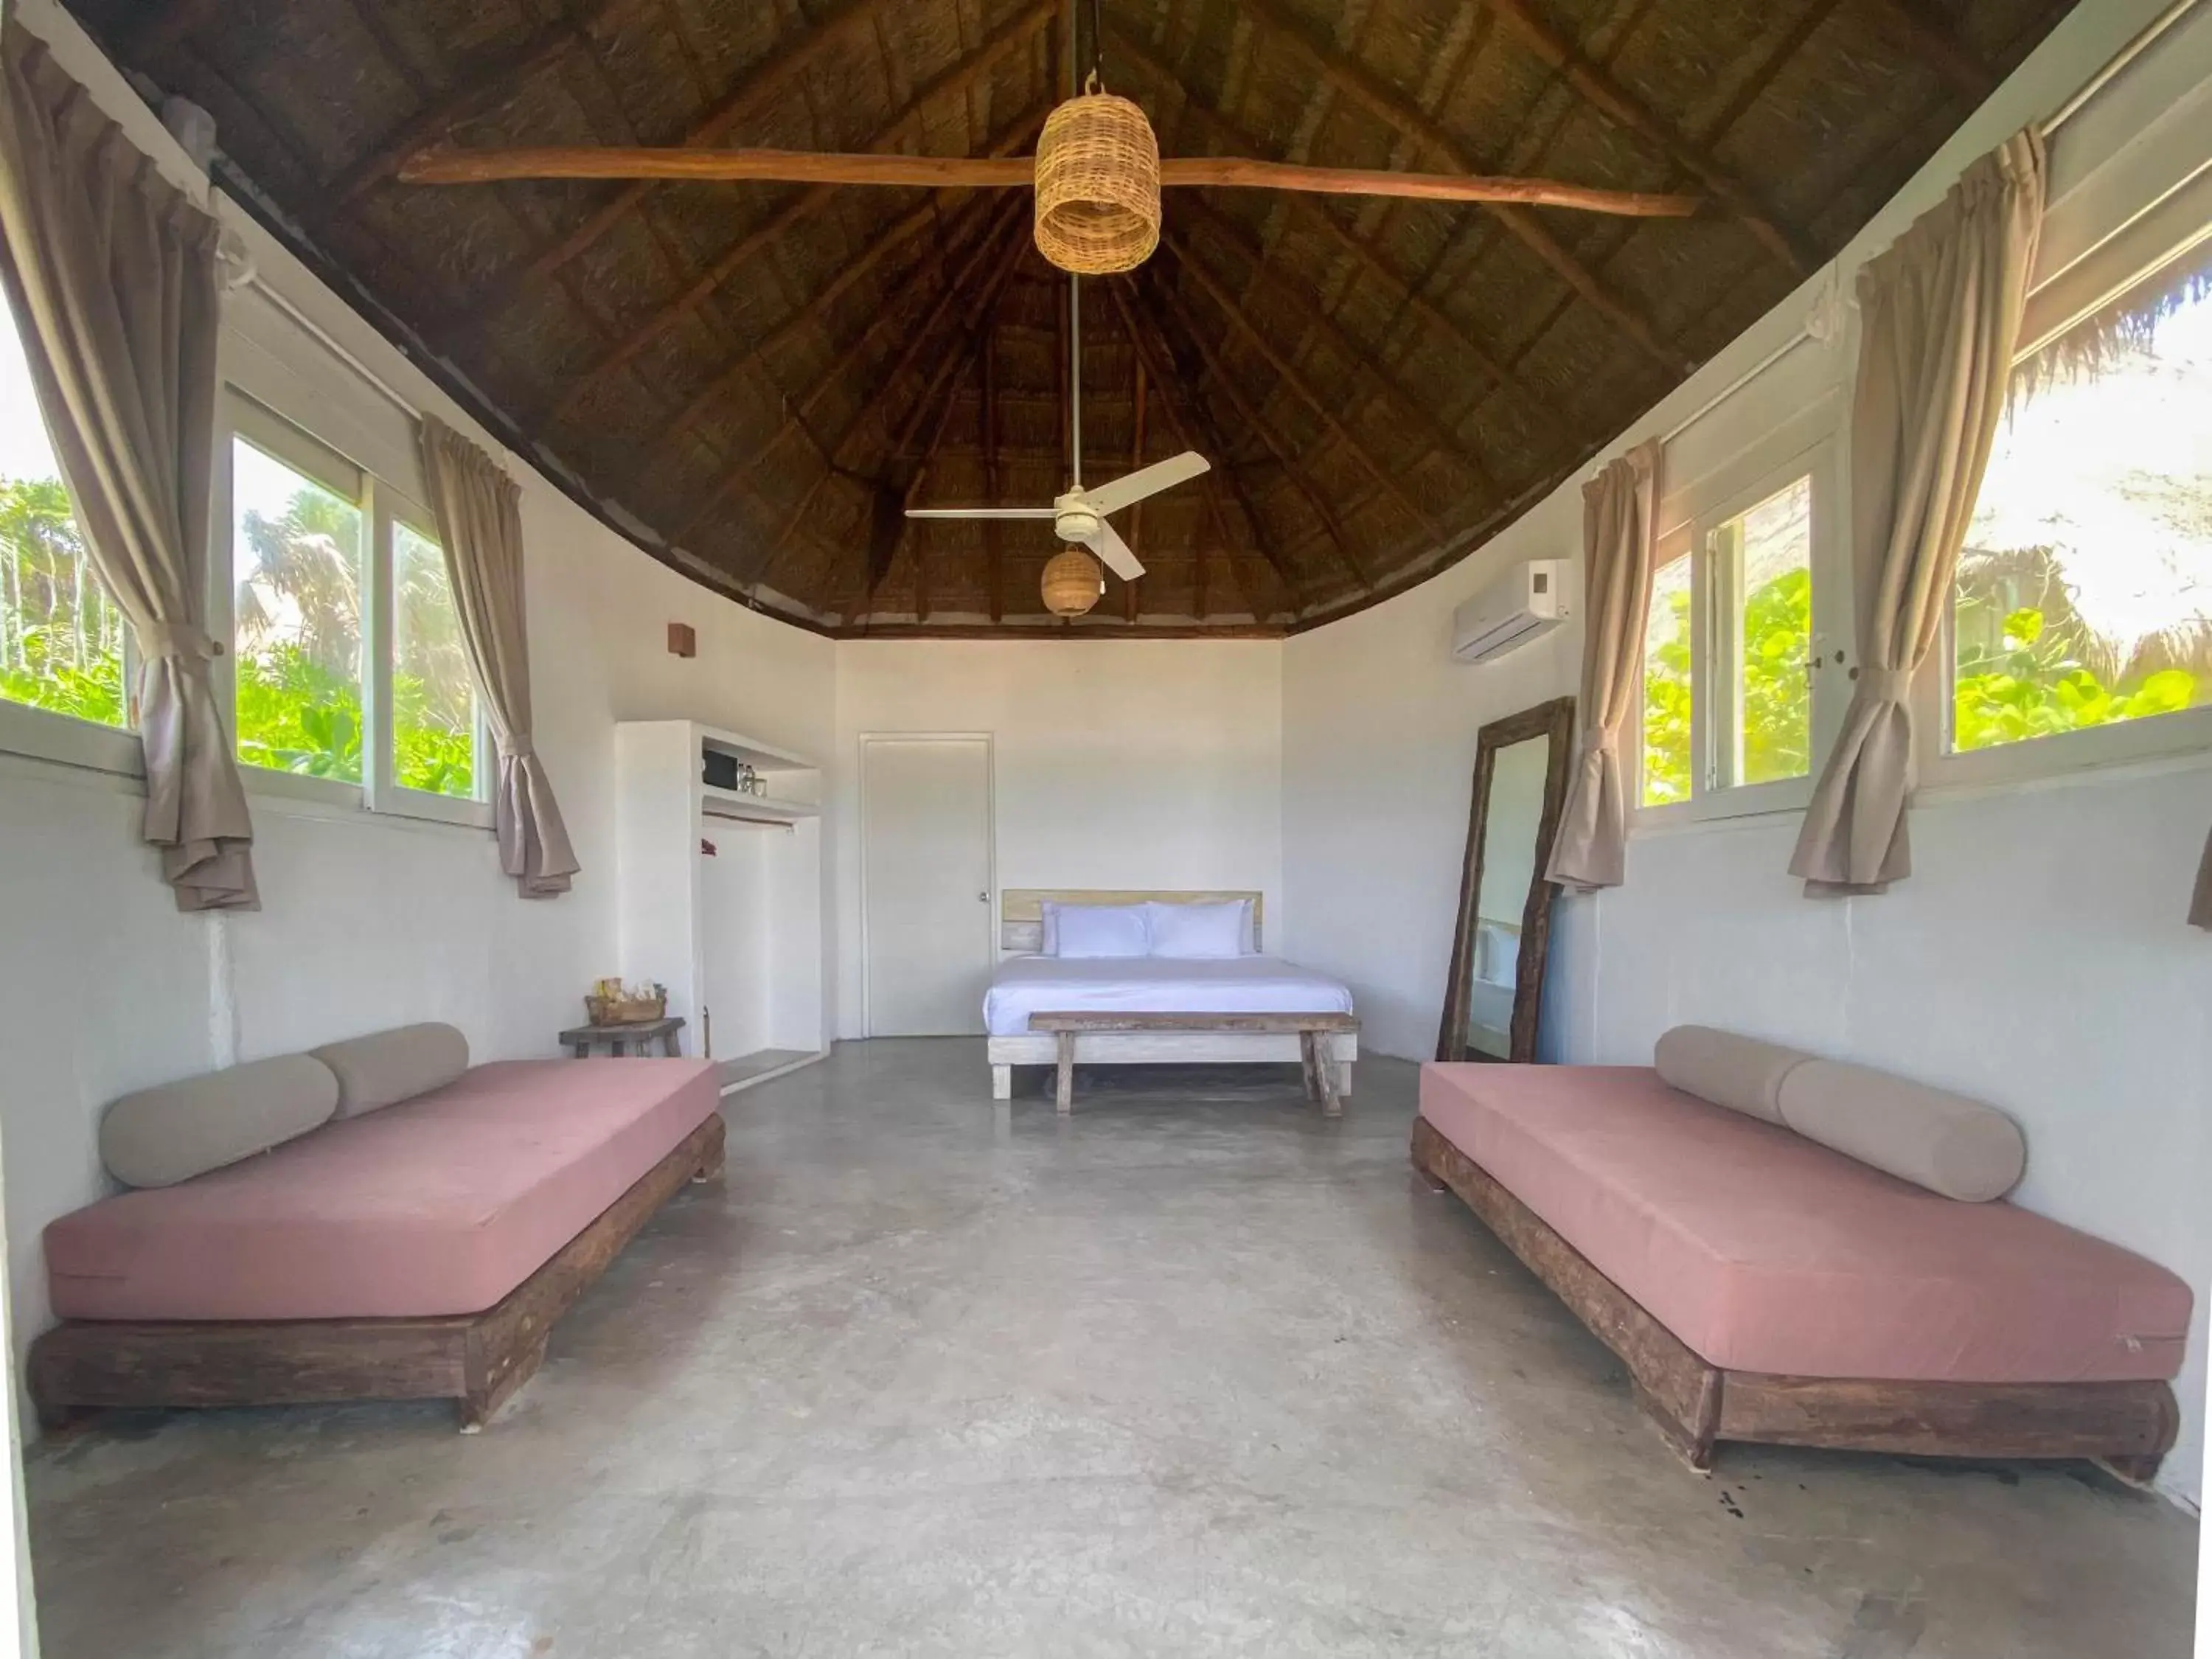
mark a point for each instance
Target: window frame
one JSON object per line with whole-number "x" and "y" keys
{"x": 1688, "y": 519}
{"x": 383, "y": 507}
{"x": 1934, "y": 688}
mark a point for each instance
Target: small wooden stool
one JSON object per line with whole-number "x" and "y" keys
{"x": 637, "y": 1038}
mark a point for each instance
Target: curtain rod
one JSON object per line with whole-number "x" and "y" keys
{"x": 2147, "y": 37}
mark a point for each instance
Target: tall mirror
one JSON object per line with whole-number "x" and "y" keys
{"x": 1495, "y": 994}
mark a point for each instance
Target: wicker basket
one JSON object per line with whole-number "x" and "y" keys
{"x": 625, "y": 1011}
{"x": 1098, "y": 185}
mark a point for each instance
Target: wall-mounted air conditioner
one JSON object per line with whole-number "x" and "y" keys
{"x": 1529, "y": 601}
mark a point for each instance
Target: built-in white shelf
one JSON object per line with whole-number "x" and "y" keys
{"x": 715, "y": 904}
{"x": 759, "y": 808}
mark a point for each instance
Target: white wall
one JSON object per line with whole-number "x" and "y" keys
{"x": 366, "y": 922}
{"x": 1116, "y": 763}
{"x": 2036, "y": 957}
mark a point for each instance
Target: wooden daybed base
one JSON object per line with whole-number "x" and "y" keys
{"x": 2127, "y": 1427}
{"x": 478, "y": 1360}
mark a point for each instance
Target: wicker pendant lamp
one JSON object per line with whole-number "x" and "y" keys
{"x": 1072, "y": 583}
{"x": 1098, "y": 185}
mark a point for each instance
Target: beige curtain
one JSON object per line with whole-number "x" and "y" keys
{"x": 1619, "y": 507}
{"x": 480, "y": 521}
{"x": 112, "y": 273}
{"x": 1940, "y": 317}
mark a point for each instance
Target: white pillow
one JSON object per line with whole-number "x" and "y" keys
{"x": 1199, "y": 932}
{"x": 1101, "y": 930}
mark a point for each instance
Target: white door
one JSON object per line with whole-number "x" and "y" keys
{"x": 926, "y": 871}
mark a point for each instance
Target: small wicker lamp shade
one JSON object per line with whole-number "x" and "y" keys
{"x": 1097, "y": 186}
{"x": 1072, "y": 583}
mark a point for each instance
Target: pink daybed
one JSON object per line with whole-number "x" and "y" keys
{"x": 422, "y": 1251}
{"x": 1762, "y": 1287}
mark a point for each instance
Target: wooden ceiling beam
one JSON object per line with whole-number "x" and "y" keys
{"x": 1292, "y": 377}
{"x": 762, "y": 83}
{"x": 1378, "y": 268}
{"x": 1961, "y": 67}
{"x": 478, "y": 90}
{"x": 886, "y": 241}
{"x": 1603, "y": 92}
{"x": 1386, "y": 105}
{"x": 992, "y": 235}
{"x": 1277, "y": 446}
{"x": 1149, "y": 345}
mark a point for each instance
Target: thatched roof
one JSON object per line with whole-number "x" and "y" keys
{"x": 750, "y": 378}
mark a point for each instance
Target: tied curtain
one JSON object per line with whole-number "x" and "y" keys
{"x": 1941, "y": 314}
{"x": 1619, "y": 506}
{"x": 112, "y": 273}
{"x": 479, "y": 514}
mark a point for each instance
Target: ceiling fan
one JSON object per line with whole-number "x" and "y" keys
{"x": 1078, "y": 516}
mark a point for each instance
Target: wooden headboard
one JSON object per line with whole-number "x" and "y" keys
{"x": 1021, "y": 910}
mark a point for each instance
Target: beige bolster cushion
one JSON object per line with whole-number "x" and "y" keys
{"x": 159, "y": 1137}
{"x": 386, "y": 1068}
{"x": 1739, "y": 1073}
{"x": 1944, "y": 1142}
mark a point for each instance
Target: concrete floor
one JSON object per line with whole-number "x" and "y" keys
{"x": 1194, "y": 1373}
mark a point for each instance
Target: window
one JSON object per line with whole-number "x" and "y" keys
{"x": 62, "y": 642}
{"x": 434, "y": 718}
{"x": 349, "y": 673}
{"x": 1728, "y": 649}
{"x": 295, "y": 618}
{"x": 2083, "y": 595}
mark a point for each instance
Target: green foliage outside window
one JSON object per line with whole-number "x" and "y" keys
{"x": 61, "y": 636}
{"x": 2032, "y": 683}
{"x": 1777, "y": 701}
{"x": 1667, "y": 703}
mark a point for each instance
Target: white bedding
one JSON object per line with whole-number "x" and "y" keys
{"x": 1156, "y": 985}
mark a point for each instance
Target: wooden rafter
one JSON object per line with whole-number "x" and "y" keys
{"x": 478, "y": 90}
{"x": 1378, "y": 268}
{"x": 947, "y": 400}
{"x": 1292, "y": 377}
{"x": 1390, "y": 108}
{"x": 759, "y": 86}
{"x": 1603, "y": 92}
{"x": 1950, "y": 57}
{"x": 885, "y": 242}
{"x": 166, "y": 24}
{"x": 993, "y": 541}
{"x": 1145, "y": 334}
{"x": 848, "y": 357}
{"x": 958, "y": 79}
{"x": 1313, "y": 319}
{"x": 937, "y": 391}
{"x": 738, "y": 475}
{"x": 1136, "y": 537}
{"x": 1285, "y": 457}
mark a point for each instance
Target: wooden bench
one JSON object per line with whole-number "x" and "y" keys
{"x": 1321, "y": 1076}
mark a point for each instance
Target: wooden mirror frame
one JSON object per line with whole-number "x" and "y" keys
{"x": 1554, "y": 719}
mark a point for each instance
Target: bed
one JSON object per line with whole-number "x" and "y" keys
{"x": 1027, "y": 983}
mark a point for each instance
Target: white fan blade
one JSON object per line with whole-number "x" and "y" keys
{"x": 982, "y": 512}
{"x": 1109, "y": 545}
{"x": 1132, "y": 488}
